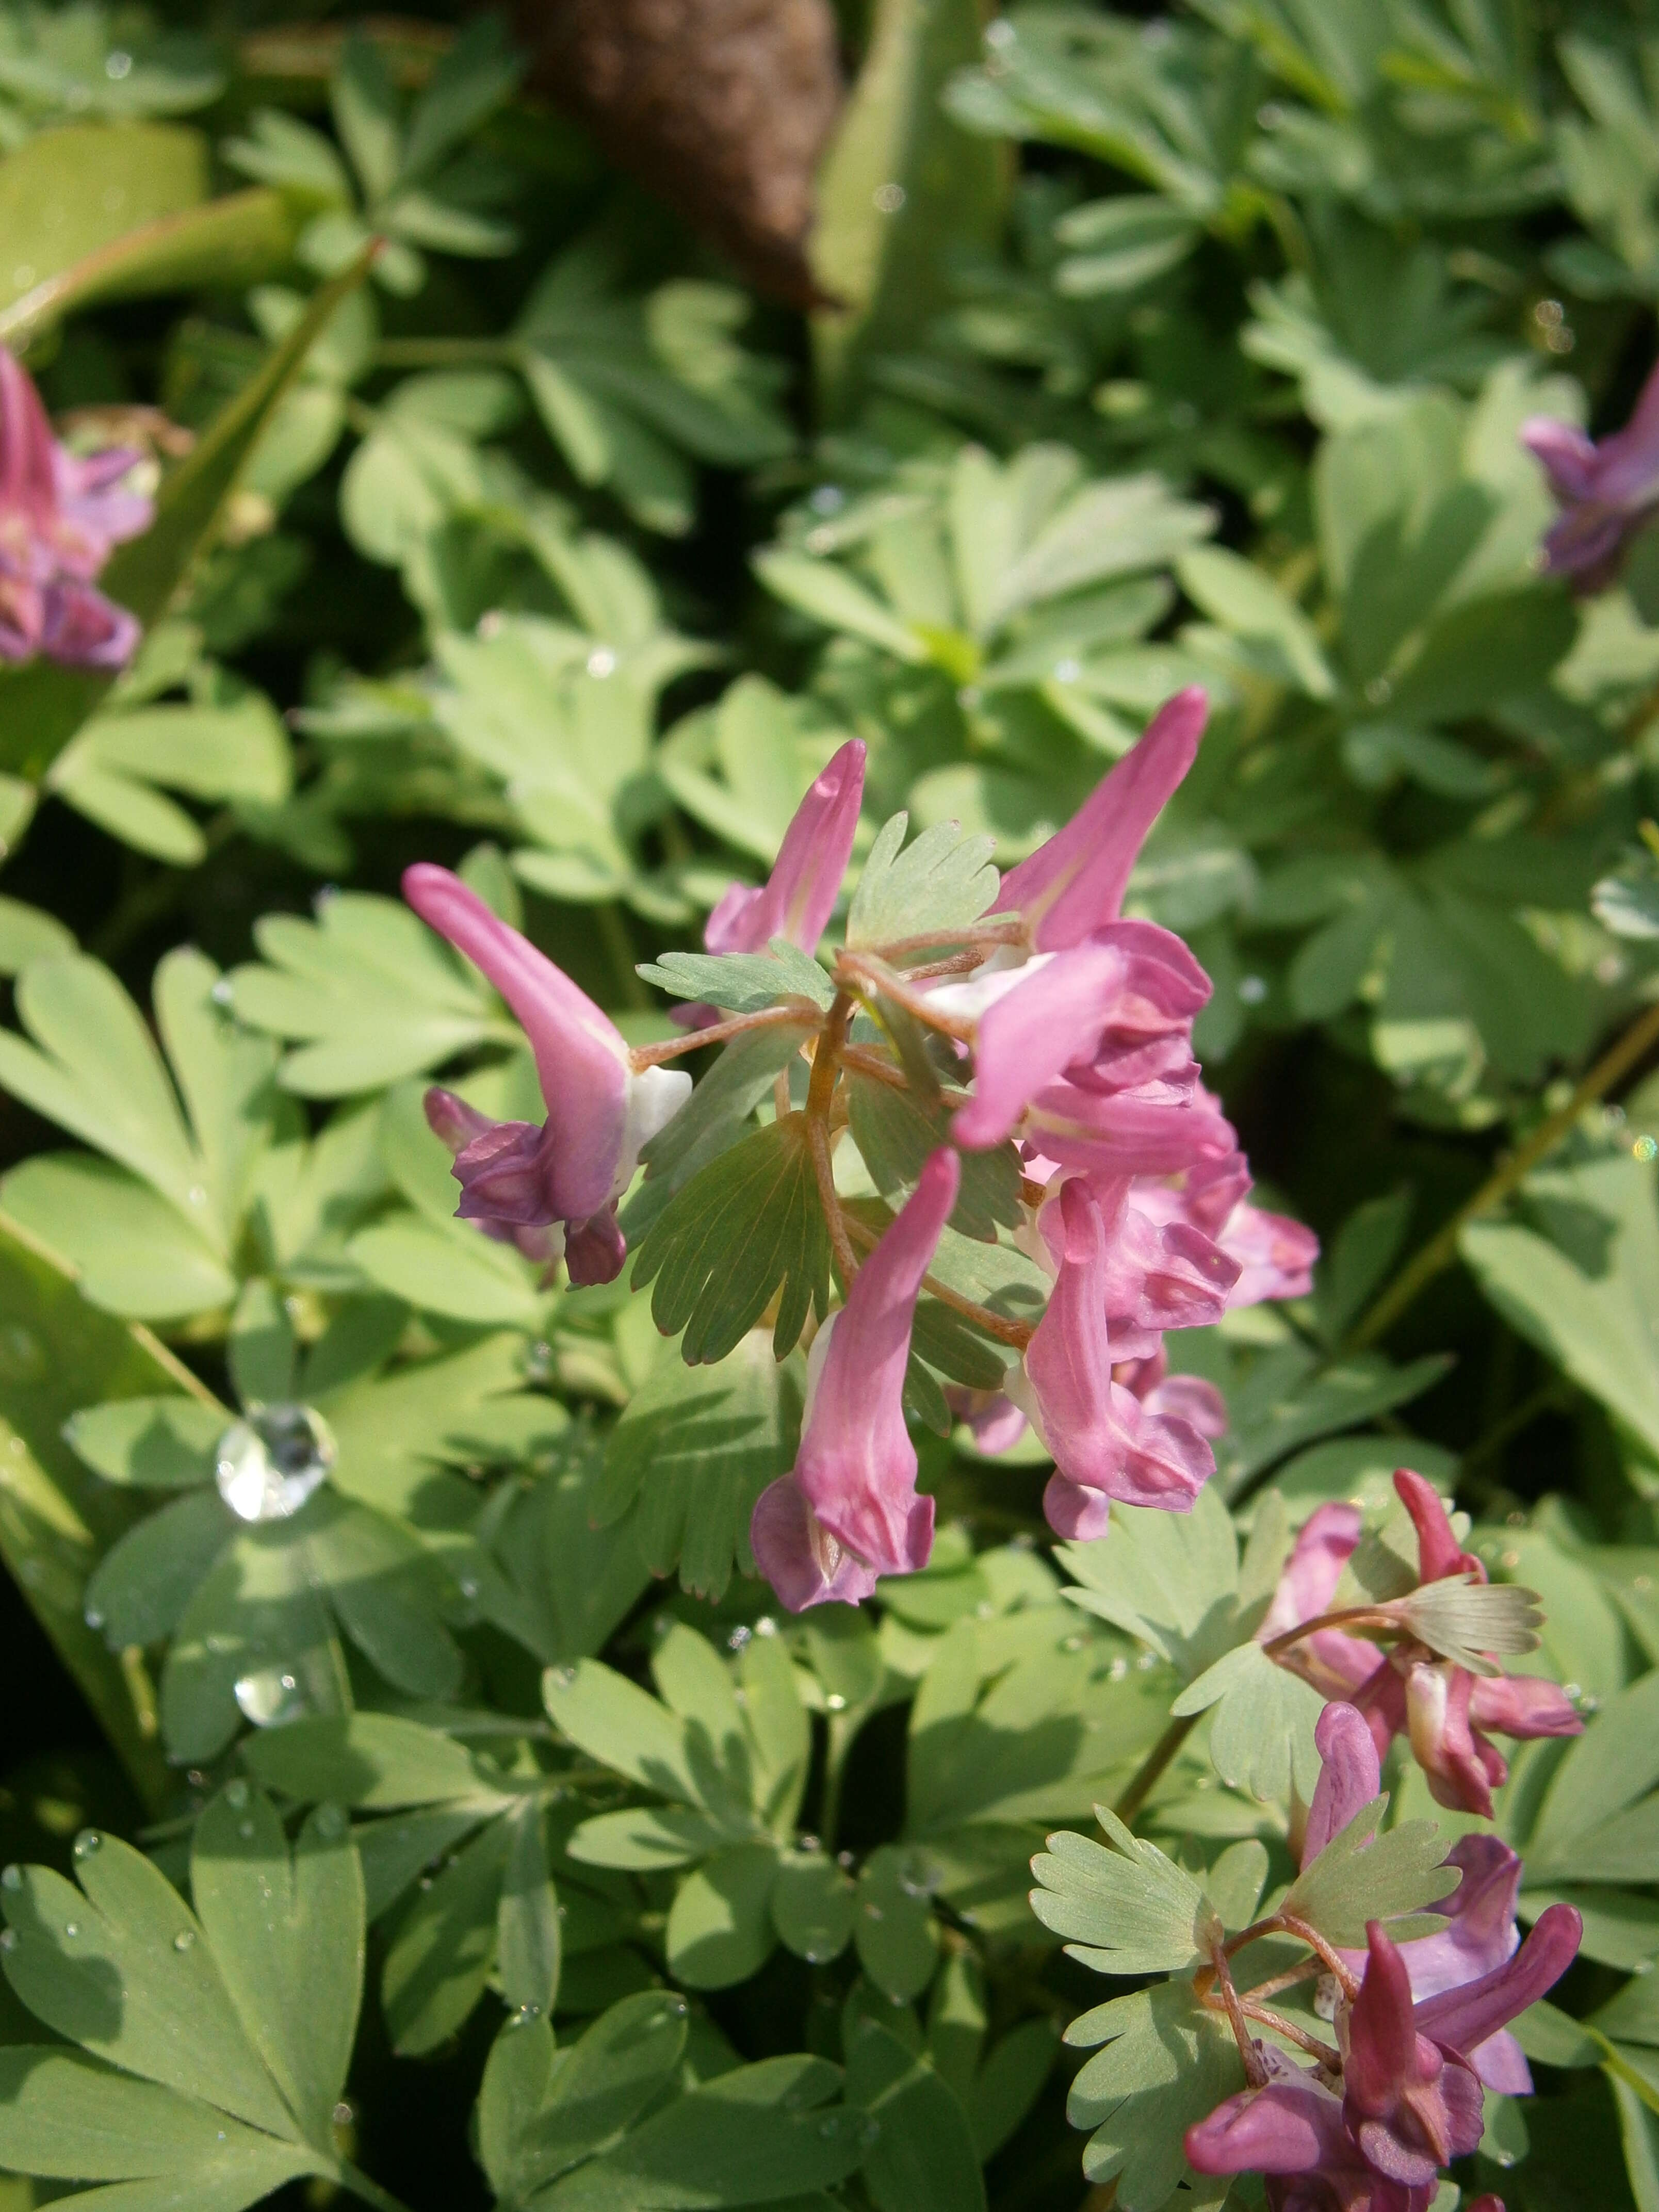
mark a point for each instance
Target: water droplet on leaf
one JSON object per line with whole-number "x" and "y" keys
{"x": 267, "y": 1466}
{"x": 185, "y": 1940}
{"x": 86, "y": 1843}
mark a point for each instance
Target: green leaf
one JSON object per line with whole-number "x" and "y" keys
{"x": 1261, "y": 1736}
{"x": 618, "y": 2068}
{"x": 942, "y": 881}
{"x": 1596, "y": 1823}
{"x": 752, "y": 2135}
{"x": 923, "y": 2157}
{"x": 528, "y": 1942}
{"x": 104, "y": 1969}
{"x": 744, "y": 1228}
{"x": 1125, "y": 1908}
{"x": 831, "y": 596}
{"x": 374, "y": 1761}
{"x": 150, "y": 1444}
{"x": 1578, "y": 1275}
{"x": 154, "y": 169}
{"x": 1252, "y": 607}
{"x": 895, "y": 1136}
{"x": 287, "y": 1931}
{"x": 444, "y": 1950}
{"x": 744, "y": 982}
{"x": 813, "y": 1906}
{"x": 372, "y": 993}
{"x": 69, "y": 2117}
{"x": 55, "y": 1518}
{"x": 1169, "y": 1579}
{"x": 1361, "y": 1876}
{"x": 691, "y": 1455}
{"x": 893, "y": 1925}
{"x": 1168, "y": 2063}
{"x": 711, "y": 1120}
{"x": 720, "y": 1926}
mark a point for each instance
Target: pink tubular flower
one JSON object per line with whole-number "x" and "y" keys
{"x": 1076, "y": 882}
{"x": 1480, "y": 1933}
{"x": 1606, "y": 492}
{"x": 600, "y": 1110}
{"x": 1409, "y": 2098}
{"x": 1105, "y": 1443}
{"x": 798, "y": 898}
{"x": 848, "y": 1512}
{"x": 1440, "y": 1706}
{"x": 59, "y": 518}
{"x": 1274, "y": 1255}
{"x": 504, "y": 1160}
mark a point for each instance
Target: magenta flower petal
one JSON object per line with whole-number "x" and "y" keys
{"x": 1463, "y": 1768}
{"x": 1464, "y": 2018}
{"x": 798, "y": 1556}
{"x": 1288, "y": 2127}
{"x": 1311, "y": 1575}
{"x": 1479, "y": 1935}
{"x": 798, "y": 898}
{"x": 1438, "y": 1552}
{"x": 1101, "y": 1439}
{"x": 580, "y": 1058}
{"x": 857, "y": 1466}
{"x": 1076, "y": 882}
{"x": 1523, "y": 1706}
{"x": 1410, "y": 2106}
{"x": 1051, "y": 1018}
{"x": 28, "y": 486}
{"x": 1607, "y": 491}
{"x": 1350, "y": 1776}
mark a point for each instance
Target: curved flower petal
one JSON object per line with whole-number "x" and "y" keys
{"x": 1464, "y": 2018}
{"x": 580, "y": 1058}
{"x": 1438, "y": 1552}
{"x": 1311, "y": 1575}
{"x": 1350, "y": 1776}
{"x": 798, "y": 898}
{"x": 797, "y": 1553}
{"x": 1523, "y": 1706}
{"x": 857, "y": 1466}
{"x": 1052, "y": 1017}
{"x": 1076, "y": 882}
{"x": 1288, "y": 2127}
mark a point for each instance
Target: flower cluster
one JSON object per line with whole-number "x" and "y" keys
{"x": 60, "y": 517}
{"x": 1444, "y": 1708}
{"x": 1421, "y": 2026}
{"x": 1607, "y": 492}
{"x": 1061, "y": 1029}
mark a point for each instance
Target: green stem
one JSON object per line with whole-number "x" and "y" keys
{"x": 1441, "y": 1251}
{"x": 613, "y": 931}
{"x": 370, "y": 2192}
{"x": 1150, "y": 1771}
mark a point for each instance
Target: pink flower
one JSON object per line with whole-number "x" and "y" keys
{"x": 600, "y": 1110}
{"x": 1274, "y": 1255}
{"x": 1409, "y": 2098}
{"x": 60, "y": 516}
{"x": 1480, "y": 1933}
{"x": 1441, "y": 1707}
{"x": 848, "y": 1512}
{"x": 1606, "y": 492}
{"x": 1104, "y": 1442}
{"x": 1076, "y": 882}
{"x": 504, "y": 1157}
{"x": 798, "y": 898}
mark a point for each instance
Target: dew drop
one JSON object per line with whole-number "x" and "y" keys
{"x": 267, "y": 1466}
{"x": 86, "y": 1843}
{"x": 872, "y": 1910}
{"x": 1074, "y": 1643}
{"x": 1067, "y": 671}
{"x": 869, "y": 2130}
{"x": 247, "y": 1830}
{"x": 468, "y": 1587}
{"x": 889, "y": 198}
{"x": 342, "y": 2115}
{"x": 12, "y": 1878}
{"x": 236, "y": 1794}
{"x": 560, "y": 1678}
{"x": 94, "y": 1619}
{"x": 601, "y": 662}
{"x": 8, "y": 1939}
{"x": 269, "y": 1697}
{"x": 738, "y": 1637}
{"x": 525, "y": 2014}
{"x": 117, "y": 65}
{"x": 331, "y": 1822}
{"x": 185, "y": 1940}
{"x": 71, "y": 1928}
{"x": 835, "y": 1701}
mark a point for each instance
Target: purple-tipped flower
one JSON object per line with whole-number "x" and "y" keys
{"x": 1607, "y": 491}
{"x": 798, "y": 898}
{"x": 600, "y": 1110}
{"x": 1480, "y": 1933}
{"x": 1076, "y": 882}
{"x": 848, "y": 1512}
{"x": 60, "y": 516}
{"x": 1105, "y": 1443}
{"x": 1410, "y": 1690}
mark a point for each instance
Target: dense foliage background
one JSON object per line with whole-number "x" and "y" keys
{"x": 1154, "y": 350}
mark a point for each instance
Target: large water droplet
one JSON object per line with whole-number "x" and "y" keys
{"x": 184, "y": 1939}
{"x": 86, "y": 1843}
{"x": 268, "y": 1465}
{"x": 269, "y": 1697}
